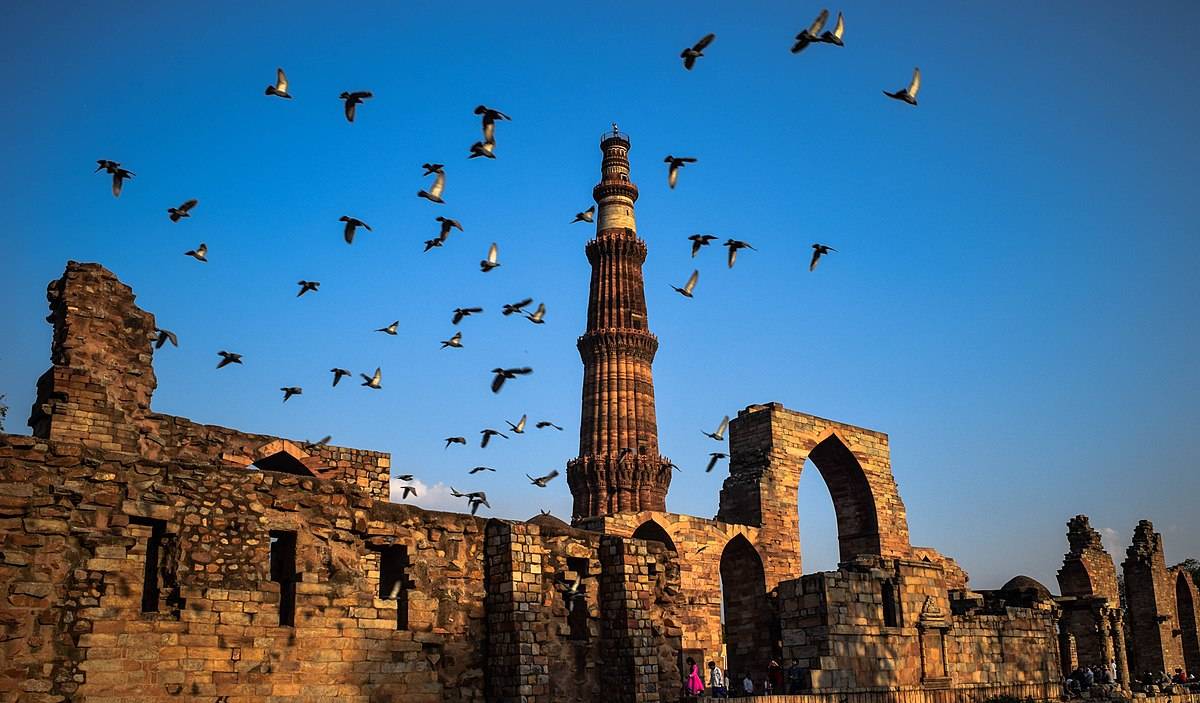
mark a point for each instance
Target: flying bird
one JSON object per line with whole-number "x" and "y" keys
{"x": 281, "y": 85}
{"x": 460, "y": 313}
{"x": 734, "y": 245}
{"x": 517, "y": 307}
{"x": 405, "y": 477}
{"x": 485, "y": 149}
{"x": 477, "y": 469}
{"x": 447, "y": 225}
{"x": 811, "y": 34}
{"x": 184, "y": 210}
{"x": 688, "y": 287}
{"x": 306, "y": 286}
{"x": 674, "y": 164}
{"x": 375, "y": 382}
{"x": 163, "y": 337}
{"x": 719, "y": 435}
{"x": 338, "y": 373}
{"x": 819, "y": 250}
{"x": 119, "y": 174}
{"x": 106, "y": 165}
{"x": 489, "y": 117}
{"x": 309, "y": 446}
{"x": 289, "y": 391}
{"x": 695, "y": 51}
{"x": 546, "y": 423}
{"x": 478, "y": 501}
{"x": 228, "y": 358}
{"x": 538, "y": 316}
{"x": 390, "y": 329}
{"x": 835, "y": 37}
{"x": 700, "y": 241}
{"x": 623, "y": 454}
{"x": 435, "y": 242}
{"x": 455, "y": 341}
{"x": 406, "y": 491}
{"x": 714, "y": 457}
{"x": 585, "y": 216}
{"x": 455, "y": 440}
{"x": 908, "y": 95}
{"x": 434, "y": 194}
{"x": 490, "y": 262}
{"x": 541, "y": 481}
{"x": 504, "y": 374}
{"x": 353, "y": 99}
{"x": 487, "y": 436}
{"x": 352, "y": 223}
{"x": 432, "y": 168}
{"x": 518, "y": 428}
{"x": 200, "y": 253}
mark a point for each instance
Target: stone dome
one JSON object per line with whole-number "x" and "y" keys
{"x": 1026, "y": 584}
{"x": 547, "y": 520}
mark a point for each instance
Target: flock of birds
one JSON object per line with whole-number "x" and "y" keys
{"x": 815, "y": 33}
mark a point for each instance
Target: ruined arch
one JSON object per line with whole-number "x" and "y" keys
{"x": 285, "y": 457}
{"x": 749, "y": 621}
{"x": 853, "y": 500}
{"x": 1185, "y": 609}
{"x": 651, "y": 530}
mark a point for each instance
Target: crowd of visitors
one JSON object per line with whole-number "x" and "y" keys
{"x": 1099, "y": 680}
{"x": 722, "y": 684}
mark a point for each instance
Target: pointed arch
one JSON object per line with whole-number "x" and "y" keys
{"x": 651, "y": 530}
{"x": 853, "y": 499}
{"x": 1185, "y": 609}
{"x": 749, "y": 621}
{"x": 285, "y": 457}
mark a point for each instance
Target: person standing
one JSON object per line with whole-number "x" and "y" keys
{"x": 775, "y": 677}
{"x": 695, "y": 686}
{"x": 748, "y": 685}
{"x": 795, "y": 677}
{"x": 716, "y": 681}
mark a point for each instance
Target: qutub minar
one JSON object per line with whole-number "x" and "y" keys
{"x": 619, "y": 468}
{"x": 148, "y": 557}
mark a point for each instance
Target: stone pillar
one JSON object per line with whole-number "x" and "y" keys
{"x": 97, "y": 393}
{"x": 630, "y": 672}
{"x": 1118, "y": 634}
{"x": 1150, "y": 596}
{"x": 517, "y": 670}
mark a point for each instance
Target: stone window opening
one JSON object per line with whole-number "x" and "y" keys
{"x": 283, "y": 463}
{"x": 575, "y": 598}
{"x": 891, "y": 604}
{"x": 394, "y": 583}
{"x": 156, "y": 576}
{"x": 283, "y": 572}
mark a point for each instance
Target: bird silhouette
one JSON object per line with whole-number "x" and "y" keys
{"x": 504, "y": 374}
{"x": 518, "y": 428}
{"x": 306, "y": 286}
{"x": 353, "y": 99}
{"x": 228, "y": 358}
{"x": 734, "y": 245}
{"x": 407, "y": 491}
{"x": 289, "y": 391}
{"x": 714, "y": 457}
{"x": 835, "y": 37}
{"x": 352, "y": 224}
{"x": 163, "y": 337}
{"x": 585, "y": 216}
{"x": 432, "y": 168}
{"x": 281, "y": 85}
{"x": 489, "y": 118}
{"x": 819, "y": 250}
{"x": 390, "y": 329}
{"x": 477, "y": 501}
{"x": 487, "y": 435}
{"x": 719, "y": 435}
{"x": 700, "y": 241}
{"x": 338, "y": 373}
{"x": 200, "y": 253}
{"x": 460, "y": 313}
{"x": 184, "y": 210}
{"x": 811, "y": 33}
{"x": 490, "y": 262}
{"x": 624, "y": 454}
{"x": 546, "y": 423}
{"x": 688, "y": 287}
{"x": 447, "y": 224}
{"x": 405, "y": 477}
{"x": 674, "y": 163}
{"x": 517, "y": 307}
{"x": 477, "y": 469}
{"x": 909, "y": 94}
{"x": 695, "y": 51}
{"x": 538, "y": 317}
{"x": 310, "y": 446}
{"x": 455, "y": 341}
{"x": 541, "y": 481}
{"x": 485, "y": 149}
{"x": 455, "y": 440}
{"x": 434, "y": 194}
{"x": 375, "y": 382}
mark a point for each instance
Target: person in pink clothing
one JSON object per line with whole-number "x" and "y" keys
{"x": 695, "y": 685}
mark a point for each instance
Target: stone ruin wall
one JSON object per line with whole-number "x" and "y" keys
{"x": 1150, "y": 600}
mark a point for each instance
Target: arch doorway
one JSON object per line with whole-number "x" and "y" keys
{"x": 654, "y": 532}
{"x": 749, "y": 623}
{"x": 853, "y": 501}
{"x": 1185, "y": 605}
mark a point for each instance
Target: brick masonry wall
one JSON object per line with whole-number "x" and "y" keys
{"x": 1150, "y": 602}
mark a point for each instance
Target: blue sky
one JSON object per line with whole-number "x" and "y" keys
{"x": 1013, "y": 299}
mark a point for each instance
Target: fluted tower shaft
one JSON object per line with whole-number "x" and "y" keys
{"x": 618, "y": 468}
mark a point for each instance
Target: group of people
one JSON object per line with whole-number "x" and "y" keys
{"x": 777, "y": 681}
{"x": 1153, "y": 683}
{"x": 1085, "y": 678}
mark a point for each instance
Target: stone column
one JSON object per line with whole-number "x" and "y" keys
{"x": 517, "y": 669}
{"x": 630, "y": 672}
{"x": 1118, "y": 635}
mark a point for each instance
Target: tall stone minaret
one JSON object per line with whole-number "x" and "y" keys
{"x": 618, "y": 468}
